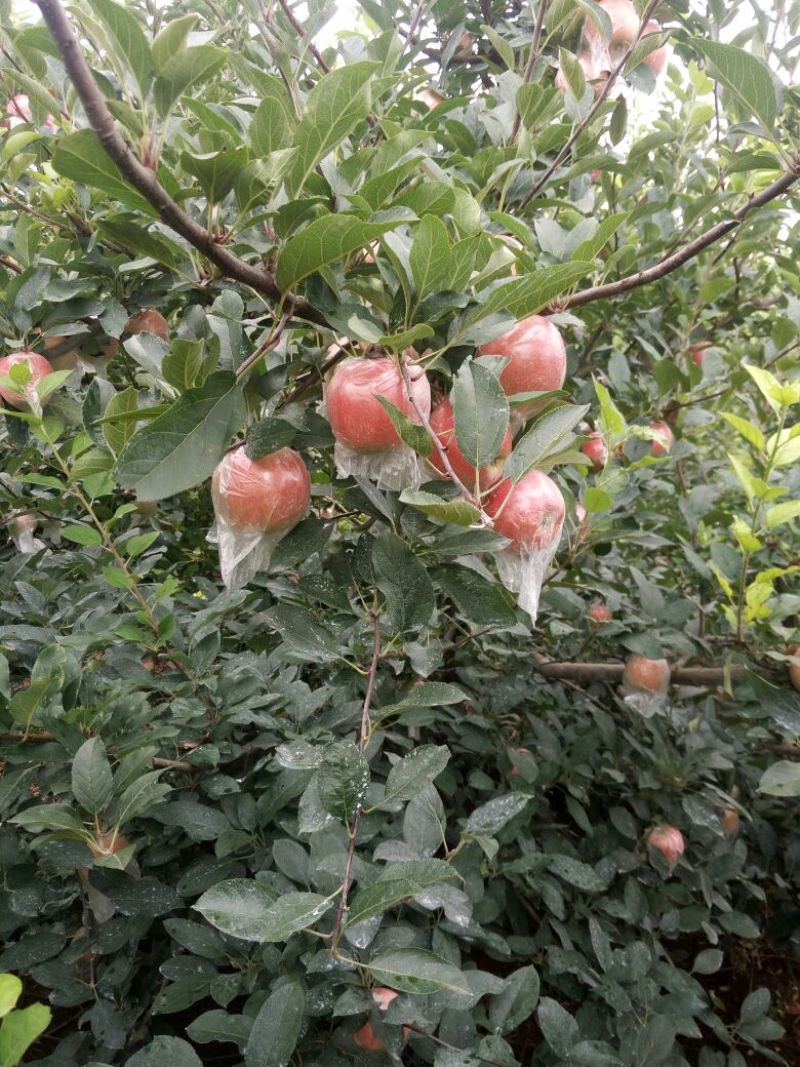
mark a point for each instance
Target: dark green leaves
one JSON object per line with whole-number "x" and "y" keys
{"x": 182, "y": 447}
{"x": 527, "y": 295}
{"x": 92, "y": 782}
{"x": 250, "y": 910}
{"x": 403, "y": 581}
{"x": 414, "y": 970}
{"x": 413, "y": 771}
{"x": 544, "y": 438}
{"x": 276, "y": 1028}
{"x": 747, "y": 77}
{"x": 480, "y": 410}
{"x": 343, "y": 780}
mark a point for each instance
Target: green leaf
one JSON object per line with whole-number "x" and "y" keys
{"x": 336, "y": 104}
{"x": 323, "y": 241}
{"x": 268, "y": 435}
{"x": 303, "y": 635}
{"x": 751, "y": 433}
{"x": 131, "y": 44}
{"x": 708, "y": 961}
{"x": 276, "y": 1028}
{"x": 573, "y": 72}
{"x": 217, "y": 1025}
{"x": 82, "y": 535}
{"x": 216, "y": 171}
{"x": 139, "y": 797}
{"x": 419, "y": 767}
{"x": 92, "y": 781}
{"x": 49, "y": 817}
{"x": 746, "y": 76}
{"x": 411, "y": 433}
{"x": 459, "y": 512}
{"x": 272, "y": 126}
{"x": 501, "y": 45}
{"x": 517, "y": 1002}
{"x": 768, "y": 385}
{"x": 525, "y": 296}
{"x": 430, "y": 259}
{"x": 184, "y": 70}
{"x": 10, "y": 992}
{"x": 162, "y": 1051}
{"x": 481, "y": 601}
{"x": 415, "y": 970}
{"x": 171, "y": 39}
{"x": 480, "y": 413}
{"x": 181, "y": 448}
{"x": 544, "y": 438}
{"x": 343, "y": 780}
{"x": 394, "y": 887}
{"x": 782, "y": 513}
{"x": 782, "y": 779}
{"x": 404, "y": 582}
{"x": 19, "y": 1030}
{"x": 117, "y": 434}
{"x": 492, "y": 816}
{"x": 80, "y": 157}
{"x": 559, "y": 1028}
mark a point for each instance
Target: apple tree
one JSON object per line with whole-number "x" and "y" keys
{"x": 399, "y": 613}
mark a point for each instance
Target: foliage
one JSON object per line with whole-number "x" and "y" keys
{"x": 230, "y": 815}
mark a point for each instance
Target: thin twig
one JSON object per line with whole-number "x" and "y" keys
{"x": 301, "y": 33}
{"x": 613, "y": 672}
{"x": 532, "y": 57}
{"x": 45, "y": 736}
{"x": 144, "y": 180}
{"x": 363, "y": 735}
{"x": 272, "y": 340}
{"x": 601, "y": 99}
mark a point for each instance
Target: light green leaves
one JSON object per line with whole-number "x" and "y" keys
{"x": 273, "y": 122}
{"x": 458, "y": 511}
{"x": 182, "y": 447}
{"x": 529, "y": 294}
{"x": 545, "y": 437}
{"x": 336, "y": 104}
{"x": 747, "y": 78}
{"x": 92, "y": 782}
{"x": 413, "y": 771}
{"x": 250, "y": 910}
{"x": 19, "y": 1030}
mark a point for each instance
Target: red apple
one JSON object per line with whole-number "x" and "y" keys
{"x": 538, "y": 359}
{"x": 443, "y": 425}
{"x": 596, "y": 449}
{"x": 658, "y": 59}
{"x": 18, "y": 109}
{"x": 647, "y": 675}
{"x": 430, "y": 98}
{"x": 794, "y": 668}
{"x": 530, "y": 514}
{"x": 600, "y": 613}
{"x": 383, "y": 996}
{"x": 148, "y": 320}
{"x": 730, "y": 821}
{"x": 38, "y": 368}
{"x": 366, "y": 1038}
{"x": 270, "y": 494}
{"x": 697, "y": 352}
{"x": 357, "y": 418}
{"x": 669, "y": 843}
{"x": 665, "y": 441}
{"x": 624, "y": 28}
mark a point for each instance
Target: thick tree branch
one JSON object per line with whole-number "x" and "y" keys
{"x": 612, "y": 672}
{"x": 677, "y": 259}
{"x": 144, "y": 180}
{"x": 301, "y": 33}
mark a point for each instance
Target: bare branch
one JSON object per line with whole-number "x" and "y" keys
{"x": 532, "y": 57}
{"x": 677, "y": 259}
{"x": 301, "y": 33}
{"x": 612, "y": 672}
{"x": 144, "y": 180}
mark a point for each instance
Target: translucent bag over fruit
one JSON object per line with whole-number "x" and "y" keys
{"x": 645, "y": 685}
{"x": 256, "y": 504}
{"x": 21, "y": 529}
{"x": 531, "y": 515}
{"x": 367, "y": 444}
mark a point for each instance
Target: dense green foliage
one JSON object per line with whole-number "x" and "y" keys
{"x": 194, "y": 778}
